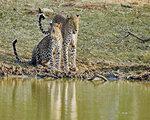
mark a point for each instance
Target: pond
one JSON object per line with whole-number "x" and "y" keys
{"x": 73, "y": 100}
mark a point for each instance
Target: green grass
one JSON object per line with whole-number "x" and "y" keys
{"x": 101, "y": 35}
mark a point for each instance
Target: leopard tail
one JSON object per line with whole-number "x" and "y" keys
{"x": 41, "y": 17}
{"x": 33, "y": 60}
{"x": 15, "y": 51}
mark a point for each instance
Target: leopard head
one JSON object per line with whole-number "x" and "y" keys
{"x": 74, "y": 21}
{"x": 56, "y": 30}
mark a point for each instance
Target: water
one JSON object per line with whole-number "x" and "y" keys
{"x": 73, "y": 100}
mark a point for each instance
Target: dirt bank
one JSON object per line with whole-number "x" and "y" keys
{"x": 87, "y": 71}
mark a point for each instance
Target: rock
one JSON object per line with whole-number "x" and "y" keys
{"x": 112, "y": 76}
{"x": 47, "y": 10}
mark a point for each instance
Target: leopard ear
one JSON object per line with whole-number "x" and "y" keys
{"x": 40, "y": 11}
{"x": 60, "y": 25}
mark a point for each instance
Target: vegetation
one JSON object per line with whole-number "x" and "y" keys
{"x": 103, "y": 36}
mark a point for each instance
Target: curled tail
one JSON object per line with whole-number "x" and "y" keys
{"x": 33, "y": 60}
{"x": 15, "y": 51}
{"x": 41, "y": 17}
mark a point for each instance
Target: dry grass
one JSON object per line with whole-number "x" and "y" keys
{"x": 86, "y": 5}
{"x": 122, "y": 1}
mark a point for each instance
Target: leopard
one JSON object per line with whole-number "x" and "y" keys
{"x": 47, "y": 50}
{"x": 69, "y": 30}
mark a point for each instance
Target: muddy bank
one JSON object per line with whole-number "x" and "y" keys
{"x": 87, "y": 71}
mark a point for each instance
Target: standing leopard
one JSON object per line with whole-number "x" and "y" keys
{"x": 44, "y": 51}
{"x": 70, "y": 28}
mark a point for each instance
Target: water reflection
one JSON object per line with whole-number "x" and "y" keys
{"x": 73, "y": 103}
{"x": 70, "y": 100}
{"x": 60, "y": 99}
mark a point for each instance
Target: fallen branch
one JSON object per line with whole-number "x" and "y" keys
{"x": 139, "y": 38}
{"x": 145, "y": 76}
{"x": 98, "y": 76}
{"x": 126, "y": 6}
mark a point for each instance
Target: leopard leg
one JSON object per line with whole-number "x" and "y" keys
{"x": 73, "y": 58}
{"x": 65, "y": 57}
{"x": 51, "y": 57}
{"x": 33, "y": 59}
{"x": 73, "y": 54}
{"x": 58, "y": 56}
{"x": 38, "y": 59}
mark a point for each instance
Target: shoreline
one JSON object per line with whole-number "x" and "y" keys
{"x": 88, "y": 72}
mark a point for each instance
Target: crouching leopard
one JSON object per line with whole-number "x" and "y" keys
{"x": 69, "y": 30}
{"x": 44, "y": 51}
